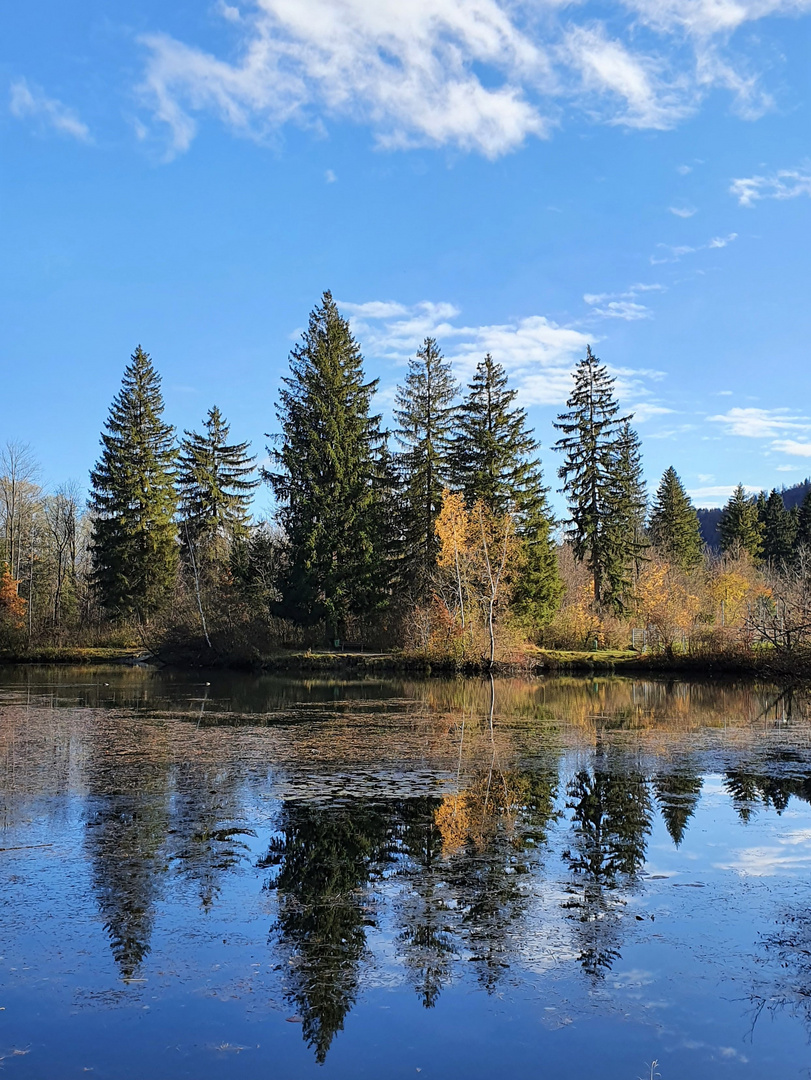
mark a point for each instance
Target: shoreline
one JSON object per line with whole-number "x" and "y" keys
{"x": 539, "y": 662}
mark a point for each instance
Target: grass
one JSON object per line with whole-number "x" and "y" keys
{"x": 68, "y": 654}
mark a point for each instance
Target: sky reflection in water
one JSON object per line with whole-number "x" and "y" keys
{"x": 260, "y": 876}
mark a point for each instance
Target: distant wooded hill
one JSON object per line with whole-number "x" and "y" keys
{"x": 710, "y": 519}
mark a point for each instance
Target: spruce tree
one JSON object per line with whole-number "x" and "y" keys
{"x": 324, "y": 478}
{"x": 591, "y": 443}
{"x": 425, "y": 415}
{"x": 674, "y": 527}
{"x": 739, "y": 527}
{"x": 804, "y": 521}
{"x": 492, "y": 459}
{"x": 626, "y": 539}
{"x": 779, "y": 529}
{"x": 492, "y": 452}
{"x": 215, "y": 481}
{"x": 133, "y": 500}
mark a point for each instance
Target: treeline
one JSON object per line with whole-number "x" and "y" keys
{"x": 436, "y": 536}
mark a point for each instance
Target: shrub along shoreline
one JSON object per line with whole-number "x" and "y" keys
{"x": 535, "y": 662}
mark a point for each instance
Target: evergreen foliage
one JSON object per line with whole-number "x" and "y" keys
{"x": 592, "y": 443}
{"x": 625, "y": 533}
{"x": 677, "y": 794}
{"x": 425, "y": 415}
{"x": 740, "y": 527}
{"x": 215, "y": 482}
{"x": 779, "y": 528}
{"x": 804, "y": 522}
{"x": 674, "y": 528}
{"x": 492, "y": 460}
{"x": 324, "y": 480}
{"x": 492, "y": 452}
{"x": 134, "y": 544}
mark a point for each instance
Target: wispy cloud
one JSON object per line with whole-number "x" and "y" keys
{"x": 785, "y": 184}
{"x": 622, "y": 305}
{"x": 793, "y": 447}
{"x": 682, "y": 211}
{"x": 760, "y": 423}
{"x": 773, "y": 424}
{"x": 677, "y": 252}
{"x": 478, "y": 75}
{"x": 718, "y": 494}
{"x": 537, "y": 353}
{"x": 29, "y": 101}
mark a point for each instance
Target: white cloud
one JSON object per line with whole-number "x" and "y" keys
{"x": 677, "y": 252}
{"x": 718, "y": 494}
{"x": 330, "y": 176}
{"x": 610, "y": 72}
{"x": 791, "y": 855}
{"x": 793, "y": 446}
{"x": 477, "y": 75}
{"x": 773, "y": 424}
{"x": 620, "y": 309}
{"x": 30, "y": 101}
{"x": 755, "y": 423}
{"x": 785, "y": 184}
{"x": 537, "y": 353}
{"x": 645, "y": 410}
{"x": 622, "y": 305}
{"x": 683, "y": 170}
{"x": 683, "y": 211}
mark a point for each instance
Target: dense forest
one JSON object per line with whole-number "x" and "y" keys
{"x": 435, "y": 537}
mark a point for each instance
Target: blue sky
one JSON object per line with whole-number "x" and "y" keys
{"x": 516, "y": 177}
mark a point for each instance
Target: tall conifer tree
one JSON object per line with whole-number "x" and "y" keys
{"x": 215, "y": 480}
{"x": 492, "y": 452}
{"x": 134, "y": 539}
{"x": 425, "y": 416}
{"x": 626, "y": 539}
{"x": 492, "y": 459}
{"x": 674, "y": 527}
{"x": 590, "y": 444}
{"x": 325, "y": 478}
{"x": 779, "y": 528}
{"x": 739, "y": 527}
{"x": 804, "y": 521}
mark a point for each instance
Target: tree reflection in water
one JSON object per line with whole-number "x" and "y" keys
{"x": 611, "y": 820}
{"x": 325, "y": 858}
{"x": 677, "y": 793}
{"x": 125, "y": 840}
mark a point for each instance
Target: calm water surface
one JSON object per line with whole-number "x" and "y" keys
{"x": 267, "y": 877}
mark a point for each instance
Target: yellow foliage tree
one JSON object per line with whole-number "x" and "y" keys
{"x": 666, "y": 602}
{"x": 478, "y": 554}
{"x": 12, "y": 605}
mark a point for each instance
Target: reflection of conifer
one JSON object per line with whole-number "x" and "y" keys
{"x": 426, "y": 940}
{"x": 124, "y": 839}
{"x": 326, "y": 858}
{"x": 743, "y": 789}
{"x": 677, "y": 794}
{"x": 611, "y": 822}
{"x": 507, "y": 814}
{"x": 205, "y": 847}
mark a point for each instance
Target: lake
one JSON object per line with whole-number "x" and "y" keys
{"x": 226, "y": 875}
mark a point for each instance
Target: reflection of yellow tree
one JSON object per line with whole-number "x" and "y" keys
{"x": 492, "y": 803}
